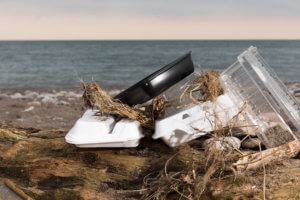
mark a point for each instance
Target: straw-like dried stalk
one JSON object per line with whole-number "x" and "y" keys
{"x": 95, "y": 97}
{"x": 208, "y": 84}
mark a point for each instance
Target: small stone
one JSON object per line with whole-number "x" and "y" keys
{"x": 71, "y": 99}
{"x": 62, "y": 103}
{"x": 3, "y": 96}
{"x": 223, "y": 143}
{"x": 17, "y": 96}
{"x": 251, "y": 143}
{"x": 27, "y": 99}
{"x": 61, "y": 93}
{"x": 75, "y": 95}
{"x": 31, "y": 94}
{"x": 49, "y": 98}
{"x": 34, "y": 103}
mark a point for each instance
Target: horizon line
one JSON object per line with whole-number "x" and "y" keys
{"x": 37, "y": 40}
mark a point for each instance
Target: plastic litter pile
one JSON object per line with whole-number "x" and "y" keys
{"x": 254, "y": 99}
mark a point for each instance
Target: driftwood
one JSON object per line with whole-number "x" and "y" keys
{"x": 268, "y": 156}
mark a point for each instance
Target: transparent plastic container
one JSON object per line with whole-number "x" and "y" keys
{"x": 272, "y": 110}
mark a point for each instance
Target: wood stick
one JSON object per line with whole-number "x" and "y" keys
{"x": 267, "y": 156}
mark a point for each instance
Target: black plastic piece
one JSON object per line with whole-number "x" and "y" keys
{"x": 158, "y": 82}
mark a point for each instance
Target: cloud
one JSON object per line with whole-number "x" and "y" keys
{"x": 172, "y": 9}
{"x": 155, "y": 19}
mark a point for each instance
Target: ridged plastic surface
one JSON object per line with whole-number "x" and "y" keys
{"x": 270, "y": 106}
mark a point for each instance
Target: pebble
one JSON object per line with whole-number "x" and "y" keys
{"x": 62, "y": 103}
{"x": 223, "y": 143}
{"x": 4, "y": 96}
{"x": 71, "y": 99}
{"x": 34, "y": 103}
{"x": 31, "y": 94}
{"x": 17, "y": 96}
{"x": 72, "y": 94}
{"x": 29, "y": 109}
{"x": 252, "y": 143}
{"x": 27, "y": 99}
{"x": 42, "y": 95}
{"x": 61, "y": 93}
{"x": 49, "y": 98}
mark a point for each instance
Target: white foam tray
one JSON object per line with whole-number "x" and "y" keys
{"x": 92, "y": 131}
{"x": 194, "y": 121}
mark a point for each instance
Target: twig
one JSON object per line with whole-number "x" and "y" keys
{"x": 268, "y": 156}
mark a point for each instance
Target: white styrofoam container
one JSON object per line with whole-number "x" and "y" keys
{"x": 195, "y": 121}
{"x": 102, "y": 131}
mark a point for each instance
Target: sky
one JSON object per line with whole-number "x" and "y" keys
{"x": 149, "y": 19}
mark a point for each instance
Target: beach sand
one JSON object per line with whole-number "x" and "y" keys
{"x": 44, "y": 108}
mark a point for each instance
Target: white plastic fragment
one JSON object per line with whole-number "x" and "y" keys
{"x": 29, "y": 109}
{"x": 195, "y": 121}
{"x": 102, "y": 131}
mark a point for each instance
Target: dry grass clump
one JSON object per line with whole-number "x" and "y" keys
{"x": 208, "y": 84}
{"x": 157, "y": 107}
{"x": 95, "y": 97}
{"x": 189, "y": 173}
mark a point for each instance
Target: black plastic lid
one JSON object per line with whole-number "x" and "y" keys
{"x": 158, "y": 82}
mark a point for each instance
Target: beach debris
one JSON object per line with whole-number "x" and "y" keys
{"x": 31, "y": 94}
{"x": 207, "y": 84}
{"x": 251, "y": 143}
{"x": 157, "y": 82}
{"x": 29, "y": 109}
{"x": 9, "y": 191}
{"x": 4, "y": 96}
{"x": 72, "y": 94}
{"x": 271, "y": 111}
{"x": 62, "y": 103}
{"x": 223, "y": 143}
{"x": 17, "y": 95}
{"x": 104, "y": 131}
{"x": 61, "y": 93}
{"x": 34, "y": 103}
{"x": 195, "y": 121}
{"x": 49, "y": 98}
{"x": 256, "y": 160}
{"x": 95, "y": 97}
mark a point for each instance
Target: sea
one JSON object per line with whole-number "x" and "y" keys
{"x": 61, "y": 64}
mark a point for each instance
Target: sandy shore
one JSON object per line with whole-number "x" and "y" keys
{"x": 44, "y": 108}
{"x": 55, "y": 108}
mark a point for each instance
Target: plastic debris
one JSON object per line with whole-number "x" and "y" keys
{"x": 194, "y": 121}
{"x": 29, "y": 109}
{"x": 102, "y": 131}
{"x": 273, "y": 111}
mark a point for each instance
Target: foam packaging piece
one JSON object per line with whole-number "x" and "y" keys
{"x": 194, "y": 121}
{"x": 102, "y": 131}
